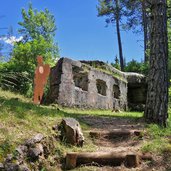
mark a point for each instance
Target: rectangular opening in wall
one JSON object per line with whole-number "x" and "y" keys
{"x": 101, "y": 87}
{"x": 137, "y": 94}
{"x": 80, "y": 78}
{"x": 116, "y": 91}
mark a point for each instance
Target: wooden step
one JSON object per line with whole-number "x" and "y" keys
{"x": 130, "y": 160}
{"x": 75, "y": 159}
{"x": 116, "y": 133}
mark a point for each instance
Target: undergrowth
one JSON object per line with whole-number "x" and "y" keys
{"x": 159, "y": 139}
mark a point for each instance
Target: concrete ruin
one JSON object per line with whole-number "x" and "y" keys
{"x": 95, "y": 84}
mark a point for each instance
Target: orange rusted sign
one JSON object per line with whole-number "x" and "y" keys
{"x": 40, "y": 79}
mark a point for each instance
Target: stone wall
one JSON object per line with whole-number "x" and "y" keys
{"x": 79, "y": 84}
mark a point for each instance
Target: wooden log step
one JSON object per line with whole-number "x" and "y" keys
{"x": 146, "y": 157}
{"x": 74, "y": 159}
{"x": 115, "y": 133}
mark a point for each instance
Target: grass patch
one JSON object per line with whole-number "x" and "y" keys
{"x": 105, "y": 113}
{"x": 104, "y": 68}
{"x": 115, "y": 75}
{"x": 159, "y": 139}
{"x": 20, "y": 120}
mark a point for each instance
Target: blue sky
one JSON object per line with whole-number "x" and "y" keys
{"x": 80, "y": 35}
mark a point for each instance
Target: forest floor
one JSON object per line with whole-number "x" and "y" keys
{"x": 20, "y": 120}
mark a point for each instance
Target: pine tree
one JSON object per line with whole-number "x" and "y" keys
{"x": 113, "y": 10}
{"x": 156, "y": 110}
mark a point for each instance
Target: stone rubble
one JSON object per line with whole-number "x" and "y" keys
{"x": 32, "y": 154}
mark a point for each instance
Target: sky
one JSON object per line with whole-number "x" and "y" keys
{"x": 80, "y": 35}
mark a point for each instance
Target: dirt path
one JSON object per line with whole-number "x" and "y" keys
{"x": 130, "y": 144}
{"x": 109, "y": 123}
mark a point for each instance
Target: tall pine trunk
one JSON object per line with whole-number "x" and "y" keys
{"x": 119, "y": 35}
{"x": 145, "y": 28}
{"x": 156, "y": 110}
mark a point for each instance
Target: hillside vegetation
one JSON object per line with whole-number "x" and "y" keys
{"x": 20, "y": 120}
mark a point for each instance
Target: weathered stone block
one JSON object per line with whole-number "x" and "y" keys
{"x": 71, "y": 132}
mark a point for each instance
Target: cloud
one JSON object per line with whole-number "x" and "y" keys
{"x": 11, "y": 40}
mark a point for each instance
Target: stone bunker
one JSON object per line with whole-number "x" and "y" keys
{"x": 95, "y": 84}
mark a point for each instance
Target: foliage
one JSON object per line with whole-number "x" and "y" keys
{"x": 110, "y": 9}
{"x": 158, "y": 138}
{"x": 12, "y": 78}
{"x": 113, "y": 10}
{"x": 38, "y": 31}
{"x": 36, "y": 23}
{"x": 24, "y": 54}
{"x": 116, "y": 64}
{"x": 159, "y": 141}
{"x": 134, "y": 66}
{"x": 134, "y": 13}
{"x": 130, "y": 13}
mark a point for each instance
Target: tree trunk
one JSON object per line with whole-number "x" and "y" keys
{"x": 157, "y": 95}
{"x": 118, "y": 35}
{"x": 146, "y": 31}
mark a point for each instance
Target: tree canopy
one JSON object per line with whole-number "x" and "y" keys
{"x": 37, "y": 23}
{"x": 38, "y": 31}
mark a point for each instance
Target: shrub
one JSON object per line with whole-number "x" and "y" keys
{"x": 139, "y": 67}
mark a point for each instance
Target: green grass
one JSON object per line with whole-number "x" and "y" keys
{"x": 103, "y": 68}
{"x": 20, "y": 119}
{"x": 158, "y": 138}
{"x": 111, "y": 73}
{"x": 103, "y": 113}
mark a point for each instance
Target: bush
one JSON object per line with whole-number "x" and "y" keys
{"x": 139, "y": 67}
{"x": 37, "y": 29}
{"x": 15, "y": 79}
{"x": 116, "y": 64}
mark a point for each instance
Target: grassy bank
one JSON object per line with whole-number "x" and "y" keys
{"x": 20, "y": 120}
{"x": 158, "y": 139}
